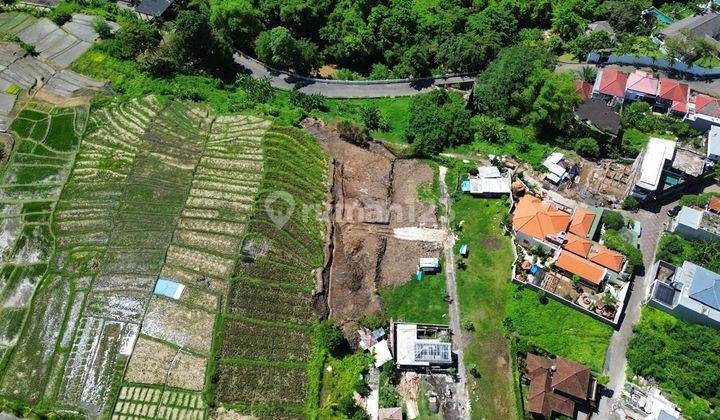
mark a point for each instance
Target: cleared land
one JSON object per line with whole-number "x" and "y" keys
{"x": 96, "y": 210}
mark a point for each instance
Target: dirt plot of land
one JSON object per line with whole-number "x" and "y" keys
{"x": 373, "y": 192}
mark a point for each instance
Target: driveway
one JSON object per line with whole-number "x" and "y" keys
{"x": 653, "y": 225}
{"x": 461, "y": 393}
{"x": 347, "y": 89}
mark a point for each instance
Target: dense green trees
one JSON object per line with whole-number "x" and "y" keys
{"x": 279, "y": 49}
{"x": 438, "y": 120}
{"x": 683, "y": 358}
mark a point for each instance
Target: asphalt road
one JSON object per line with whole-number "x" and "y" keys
{"x": 461, "y": 393}
{"x": 653, "y": 225}
{"x": 345, "y": 89}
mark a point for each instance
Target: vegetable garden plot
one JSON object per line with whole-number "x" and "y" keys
{"x": 178, "y": 324}
{"x": 257, "y": 384}
{"x": 247, "y": 340}
{"x": 137, "y": 401}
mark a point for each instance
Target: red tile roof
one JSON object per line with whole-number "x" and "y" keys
{"x": 714, "y": 204}
{"x": 581, "y": 267}
{"x": 547, "y": 376}
{"x": 583, "y": 88}
{"x": 571, "y": 378}
{"x": 606, "y": 258}
{"x": 707, "y": 105}
{"x": 578, "y": 245}
{"x": 612, "y": 82}
{"x": 679, "y": 107}
{"x": 538, "y": 219}
{"x": 642, "y": 81}
{"x": 675, "y": 91}
{"x": 582, "y": 221}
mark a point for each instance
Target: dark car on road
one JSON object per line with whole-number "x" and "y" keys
{"x": 674, "y": 211}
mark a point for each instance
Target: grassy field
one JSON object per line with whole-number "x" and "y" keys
{"x": 395, "y": 110}
{"x": 417, "y": 301}
{"x": 481, "y": 290}
{"x": 558, "y": 329}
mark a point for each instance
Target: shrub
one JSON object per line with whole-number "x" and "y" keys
{"x": 62, "y": 13}
{"x": 308, "y": 102}
{"x": 587, "y": 147}
{"x": 612, "y": 240}
{"x": 353, "y": 133}
{"x": 467, "y": 325}
{"x": 613, "y": 220}
{"x": 630, "y": 203}
{"x": 103, "y": 29}
{"x": 373, "y": 118}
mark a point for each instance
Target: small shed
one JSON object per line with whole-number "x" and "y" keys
{"x": 429, "y": 265}
{"x": 169, "y": 288}
{"x": 149, "y": 9}
{"x": 463, "y": 250}
{"x": 381, "y": 352}
{"x": 556, "y": 172}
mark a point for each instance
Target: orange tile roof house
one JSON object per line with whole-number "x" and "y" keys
{"x": 578, "y": 245}
{"x": 606, "y": 258}
{"x": 582, "y": 222}
{"x": 556, "y": 386}
{"x": 673, "y": 95}
{"x": 583, "y": 268}
{"x": 535, "y": 221}
{"x": 714, "y": 204}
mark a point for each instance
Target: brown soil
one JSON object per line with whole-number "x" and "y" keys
{"x": 491, "y": 242}
{"x": 371, "y": 193}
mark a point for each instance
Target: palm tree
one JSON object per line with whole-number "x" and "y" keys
{"x": 587, "y": 74}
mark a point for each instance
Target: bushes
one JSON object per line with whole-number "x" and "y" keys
{"x": 683, "y": 358}
{"x": 437, "y": 120}
{"x": 613, "y": 220}
{"x": 630, "y": 203}
{"x": 612, "y": 240}
{"x": 587, "y": 147}
{"x": 103, "y": 29}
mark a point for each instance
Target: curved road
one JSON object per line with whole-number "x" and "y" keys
{"x": 343, "y": 88}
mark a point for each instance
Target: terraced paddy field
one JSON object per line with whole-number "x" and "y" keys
{"x": 143, "y": 275}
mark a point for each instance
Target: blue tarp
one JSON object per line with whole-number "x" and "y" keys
{"x": 463, "y": 250}
{"x": 168, "y": 288}
{"x": 659, "y": 63}
{"x": 465, "y": 186}
{"x": 533, "y": 269}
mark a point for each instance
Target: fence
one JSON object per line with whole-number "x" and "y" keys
{"x": 449, "y": 78}
{"x": 669, "y": 65}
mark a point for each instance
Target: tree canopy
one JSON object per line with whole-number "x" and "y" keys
{"x": 438, "y": 119}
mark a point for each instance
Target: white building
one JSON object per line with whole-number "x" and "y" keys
{"x": 488, "y": 182}
{"x": 556, "y": 172}
{"x": 419, "y": 345}
{"x": 713, "y": 143}
{"x": 657, "y": 153}
{"x": 696, "y": 224}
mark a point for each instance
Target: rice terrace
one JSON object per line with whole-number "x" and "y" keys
{"x": 141, "y": 278}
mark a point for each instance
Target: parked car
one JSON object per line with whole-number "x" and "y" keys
{"x": 674, "y": 211}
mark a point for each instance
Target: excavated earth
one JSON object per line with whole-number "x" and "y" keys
{"x": 373, "y": 193}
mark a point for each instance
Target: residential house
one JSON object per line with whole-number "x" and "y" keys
{"x": 586, "y": 270}
{"x": 696, "y": 224}
{"x": 557, "y": 387}
{"x": 664, "y": 166}
{"x": 582, "y": 222}
{"x": 705, "y": 26}
{"x": 583, "y": 89}
{"x": 489, "y": 182}
{"x": 673, "y": 97}
{"x": 610, "y": 85}
{"x": 703, "y": 111}
{"x": 421, "y": 346}
{"x": 713, "y": 144}
{"x": 538, "y": 222}
{"x": 596, "y": 114}
{"x": 601, "y": 25}
{"x": 151, "y": 9}
{"x": 689, "y": 292}
{"x": 641, "y": 85}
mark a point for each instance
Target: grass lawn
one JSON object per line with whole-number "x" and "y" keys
{"x": 558, "y": 329}
{"x": 417, "y": 301}
{"x": 522, "y": 146}
{"x": 395, "y": 110}
{"x": 481, "y": 292}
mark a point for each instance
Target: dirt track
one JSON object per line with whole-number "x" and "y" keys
{"x": 374, "y": 193}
